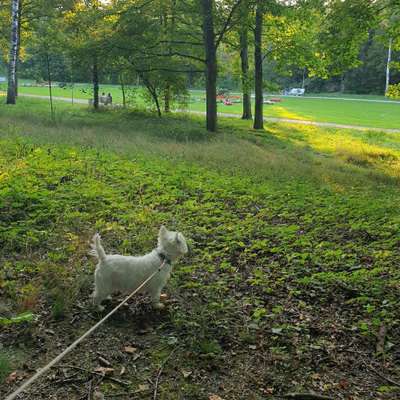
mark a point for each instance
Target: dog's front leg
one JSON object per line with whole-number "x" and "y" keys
{"x": 155, "y": 299}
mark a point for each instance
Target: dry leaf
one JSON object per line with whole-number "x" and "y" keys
{"x": 97, "y": 395}
{"x": 130, "y": 349}
{"x": 142, "y": 388}
{"x": 344, "y": 384}
{"x": 123, "y": 369}
{"x": 104, "y": 370}
{"x": 12, "y": 377}
{"x": 163, "y": 296}
{"x": 215, "y": 397}
{"x": 186, "y": 373}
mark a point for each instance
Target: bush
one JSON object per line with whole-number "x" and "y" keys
{"x": 393, "y": 91}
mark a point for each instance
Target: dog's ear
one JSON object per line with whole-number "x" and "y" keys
{"x": 163, "y": 231}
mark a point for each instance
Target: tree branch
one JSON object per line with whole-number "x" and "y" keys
{"x": 227, "y": 23}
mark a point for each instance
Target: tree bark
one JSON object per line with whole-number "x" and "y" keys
{"x": 389, "y": 59}
{"x": 50, "y": 88}
{"x": 167, "y": 98}
{"x": 244, "y": 57}
{"x": 95, "y": 83}
{"x": 12, "y": 63}
{"x": 258, "y": 72}
{"x": 18, "y": 46}
{"x": 211, "y": 64}
{"x": 342, "y": 83}
{"x": 121, "y": 80}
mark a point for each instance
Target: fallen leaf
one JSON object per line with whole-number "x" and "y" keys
{"x": 123, "y": 369}
{"x": 163, "y": 296}
{"x": 97, "y": 395}
{"x": 253, "y": 347}
{"x": 344, "y": 383}
{"x": 104, "y": 370}
{"x": 215, "y": 397}
{"x": 130, "y": 349}
{"x": 172, "y": 340}
{"x": 12, "y": 377}
{"x": 142, "y": 388}
{"x": 186, "y": 374}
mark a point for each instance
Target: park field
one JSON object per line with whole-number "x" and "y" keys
{"x": 291, "y": 286}
{"x": 354, "y": 110}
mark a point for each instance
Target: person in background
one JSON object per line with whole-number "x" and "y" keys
{"x": 109, "y": 99}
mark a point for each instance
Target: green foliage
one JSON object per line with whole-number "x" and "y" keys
{"x": 393, "y": 91}
{"x": 24, "y": 317}
{"x": 284, "y": 227}
{"x": 5, "y": 366}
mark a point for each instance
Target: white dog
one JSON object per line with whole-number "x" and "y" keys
{"x": 125, "y": 273}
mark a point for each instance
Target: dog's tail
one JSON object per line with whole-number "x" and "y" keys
{"x": 97, "y": 248}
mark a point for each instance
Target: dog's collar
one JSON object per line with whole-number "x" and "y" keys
{"x": 164, "y": 257}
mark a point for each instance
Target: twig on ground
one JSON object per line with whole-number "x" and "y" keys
{"x": 160, "y": 372}
{"x": 89, "y": 396}
{"x": 93, "y": 373}
{"x": 306, "y": 396}
{"x": 380, "y": 343}
{"x": 390, "y": 380}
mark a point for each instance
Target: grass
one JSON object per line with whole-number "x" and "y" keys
{"x": 351, "y": 112}
{"x": 294, "y": 233}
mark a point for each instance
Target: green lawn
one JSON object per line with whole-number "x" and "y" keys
{"x": 293, "y": 271}
{"x": 351, "y": 112}
{"x": 379, "y": 115}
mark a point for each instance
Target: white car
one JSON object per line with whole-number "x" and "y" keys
{"x": 296, "y": 92}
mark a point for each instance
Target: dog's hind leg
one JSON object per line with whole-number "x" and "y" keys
{"x": 101, "y": 292}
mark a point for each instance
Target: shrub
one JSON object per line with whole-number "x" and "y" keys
{"x": 393, "y": 91}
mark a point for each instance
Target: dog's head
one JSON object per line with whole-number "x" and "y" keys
{"x": 172, "y": 243}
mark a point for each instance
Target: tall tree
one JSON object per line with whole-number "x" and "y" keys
{"x": 207, "y": 7}
{"x": 258, "y": 67}
{"x": 13, "y": 57}
{"x": 244, "y": 59}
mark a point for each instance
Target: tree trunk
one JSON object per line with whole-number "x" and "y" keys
{"x": 167, "y": 98}
{"x": 211, "y": 64}
{"x": 49, "y": 81}
{"x": 155, "y": 97}
{"x": 95, "y": 83}
{"x": 389, "y": 59}
{"x": 244, "y": 57}
{"x": 342, "y": 83}
{"x": 12, "y": 63}
{"x": 258, "y": 72}
{"x": 121, "y": 79}
{"x": 18, "y": 47}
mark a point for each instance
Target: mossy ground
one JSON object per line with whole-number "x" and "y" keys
{"x": 294, "y": 266}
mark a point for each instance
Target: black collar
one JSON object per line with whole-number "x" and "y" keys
{"x": 164, "y": 258}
